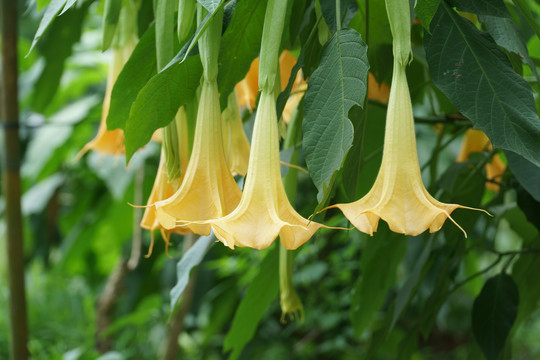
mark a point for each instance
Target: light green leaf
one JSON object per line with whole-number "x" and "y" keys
{"x": 260, "y": 293}
{"x": 493, "y": 314}
{"x": 52, "y": 10}
{"x": 210, "y": 5}
{"x": 380, "y": 259}
{"x": 478, "y": 78}
{"x": 339, "y": 82}
{"x": 140, "y": 67}
{"x": 159, "y": 100}
{"x": 164, "y": 15}
{"x": 189, "y": 260}
{"x": 110, "y": 21}
{"x": 241, "y": 44}
{"x": 37, "y": 197}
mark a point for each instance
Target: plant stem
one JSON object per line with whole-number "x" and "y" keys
{"x": 12, "y": 182}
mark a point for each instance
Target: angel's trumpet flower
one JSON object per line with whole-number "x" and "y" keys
{"x": 398, "y": 195}
{"x": 110, "y": 142}
{"x": 476, "y": 141}
{"x": 208, "y": 190}
{"x": 248, "y": 88}
{"x": 235, "y": 140}
{"x": 264, "y": 211}
{"x": 164, "y": 187}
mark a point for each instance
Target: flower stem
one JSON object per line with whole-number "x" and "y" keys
{"x": 274, "y": 20}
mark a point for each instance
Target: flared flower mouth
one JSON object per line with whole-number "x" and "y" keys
{"x": 110, "y": 142}
{"x": 264, "y": 212}
{"x": 208, "y": 190}
{"x": 398, "y": 195}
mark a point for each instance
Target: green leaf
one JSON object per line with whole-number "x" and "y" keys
{"x": 110, "y": 21}
{"x": 241, "y": 44}
{"x": 482, "y": 7}
{"x": 55, "y": 48}
{"x": 493, "y": 314}
{"x": 526, "y": 173}
{"x": 478, "y": 78}
{"x": 210, "y": 5}
{"x": 165, "y": 35}
{"x": 260, "y": 293}
{"x": 529, "y": 286}
{"x": 140, "y": 67}
{"x": 189, "y": 260}
{"x": 425, "y": 10}
{"x": 380, "y": 259}
{"x": 339, "y": 82}
{"x": 284, "y": 95}
{"x": 52, "y": 10}
{"x": 159, "y": 101}
{"x": 506, "y": 34}
{"x": 404, "y": 293}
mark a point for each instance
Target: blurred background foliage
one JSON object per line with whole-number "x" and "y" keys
{"x": 384, "y": 297}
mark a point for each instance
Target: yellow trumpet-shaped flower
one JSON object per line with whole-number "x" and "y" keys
{"x": 476, "y": 141}
{"x": 164, "y": 188}
{"x": 264, "y": 211}
{"x": 208, "y": 190}
{"x": 398, "y": 195}
{"x": 235, "y": 140}
{"x": 248, "y": 89}
{"x": 110, "y": 142}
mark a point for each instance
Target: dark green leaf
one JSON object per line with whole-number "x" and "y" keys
{"x": 260, "y": 293}
{"x": 526, "y": 173}
{"x": 364, "y": 158}
{"x": 476, "y": 75}
{"x": 528, "y": 284}
{"x": 405, "y": 291}
{"x": 140, "y": 67}
{"x": 110, "y": 21}
{"x": 159, "y": 101}
{"x": 241, "y": 44}
{"x": 506, "y": 34}
{"x": 189, "y": 260}
{"x": 482, "y": 7}
{"x": 380, "y": 259}
{"x": 339, "y": 82}
{"x": 425, "y": 10}
{"x": 493, "y": 314}
{"x": 56, "y": 47}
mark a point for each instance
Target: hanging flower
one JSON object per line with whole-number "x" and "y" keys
{"x": 208, "y": 190}
{"x": 234, "y": 137}
{"x": 248, "y": 89}
{"x": 398, "y": 195}
{"x": 164, "y": 187}
{"x": 378, "y": 92}
{"x": 477, "y": 141}
{"x": 110, "y": 142}
{"x": 264, "y": 211}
